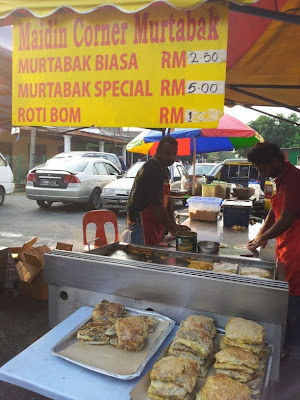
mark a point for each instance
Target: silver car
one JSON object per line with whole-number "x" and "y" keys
{"x": 115, "y": 195}
{"x": 74, "y": 180}
{"x": 97, "y": 154}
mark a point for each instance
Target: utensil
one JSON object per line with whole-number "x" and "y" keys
{"x": 208, "y": 247}
{"x": 243, "y": 193}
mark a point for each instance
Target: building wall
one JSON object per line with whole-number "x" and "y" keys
{"x": 294, "y": 156}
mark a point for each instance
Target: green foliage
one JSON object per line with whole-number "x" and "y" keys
{"x": 284, "y": 134}
{"x": 220, "y": 156}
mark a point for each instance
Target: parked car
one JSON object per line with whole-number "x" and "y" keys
{"x": 201, "y": 168}
{"x": 74, "y": 180}
{"x": 99, "y": 154}
{"x": 7, "y": 185}
{"x": 240, "y": 172}
{"x": 115, "y": 195}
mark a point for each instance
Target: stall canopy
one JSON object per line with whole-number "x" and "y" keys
{"x": 229, "y": 135}
{"x": 263, "y": 55}
{"x": 10, "y": 9}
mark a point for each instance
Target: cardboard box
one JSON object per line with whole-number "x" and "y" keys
{"x": 30, "y": 267}
{"x": 36, "y": 289}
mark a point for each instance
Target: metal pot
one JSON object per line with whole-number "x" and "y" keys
{"x": 208, "y": 247}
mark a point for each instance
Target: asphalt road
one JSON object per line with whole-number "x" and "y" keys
{"x": 22, "y": 219}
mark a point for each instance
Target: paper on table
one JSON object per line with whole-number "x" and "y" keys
{"x": 111, "y": 359}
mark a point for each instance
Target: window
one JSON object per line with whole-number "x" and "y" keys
{"x": 100, "y": 169}
{"x": 244, "y": 171}
{"x": 298, "y": 160}
{"x": 111, "y": 170}
{"x": 2, "y": 162}
{"x": 254, "y": 174}
{"x": 234, "y": 171}
{"x": 224, "y": 172}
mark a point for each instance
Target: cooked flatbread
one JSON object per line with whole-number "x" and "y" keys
{"x": 257, "y": 349}
{"x": 96, "y": 332}
{"x": 222, "y": 387}
{"x": 226, "y": 267}
{"x": 202, "y": 265}
{"x": 198, "y": 342}
{"x": 234, "y": 356}
{"x": 257, "y": 272}
{"x": 131, "y": 333}
{"x": 106, "y": 311}
{"x": 244, "y": 331}
{"x": 199, "y": 323}
{"x": 185, "y": 353}
{"x": 179, "y": 370}
{"x": 166, "y": 390}
{"x": 150, "y": 321}
{"x": 239, "y": 376}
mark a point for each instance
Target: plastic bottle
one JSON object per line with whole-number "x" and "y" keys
{"x": 255, "y": 184}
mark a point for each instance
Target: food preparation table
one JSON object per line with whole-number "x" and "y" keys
{"x": 36, "y": 369}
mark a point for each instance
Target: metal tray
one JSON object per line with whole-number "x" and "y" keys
{"x": 263, "y": 389}
{"x": 71, "y": 338}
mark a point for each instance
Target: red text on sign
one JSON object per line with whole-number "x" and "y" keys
{"x": 173, "y": 60}
{"x": 172, "y": 88}
{"x": 171, "y": 115}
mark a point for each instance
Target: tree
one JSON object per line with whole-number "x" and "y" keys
{"x": 283, "y": 133}
{"x": 220, "y": 156}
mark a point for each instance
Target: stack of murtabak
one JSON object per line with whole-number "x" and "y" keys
{"x": 243, "y": 353}
{"x": 238, "y": 368}
{"x": 112, "y": 325}
{"x": 189, "y": 357}
{"x": 194, "y": 340}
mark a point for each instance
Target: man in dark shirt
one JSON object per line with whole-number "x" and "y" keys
{"x": 150, "y": 210}
{"x": 282, "y": 223}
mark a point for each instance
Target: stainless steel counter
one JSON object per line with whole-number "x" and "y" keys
{"x": 235, "y": 240}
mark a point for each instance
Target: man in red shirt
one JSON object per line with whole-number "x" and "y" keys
{"x": 282, "y": 223}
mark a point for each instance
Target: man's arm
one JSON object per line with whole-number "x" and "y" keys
{"x": 270, "y": 231}
{"x": 164, "y": 219}
{"x": 269, "y": 222}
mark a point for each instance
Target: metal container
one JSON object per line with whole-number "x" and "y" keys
{"x": 186, "y": 241}
{"x": 208, "y": 247}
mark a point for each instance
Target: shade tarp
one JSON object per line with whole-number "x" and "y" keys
{"x": 263, "y": 58}
{"x": 44, "y": 8}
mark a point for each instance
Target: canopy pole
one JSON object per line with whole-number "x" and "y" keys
{"x": 264, "y": 13}
{"x": 194, "y": 166}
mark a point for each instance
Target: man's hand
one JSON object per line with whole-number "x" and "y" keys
{"x": 182, "y": 227}
{"x": 259, "y": 241}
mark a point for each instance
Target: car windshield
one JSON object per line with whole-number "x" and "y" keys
{"x": 131, "y": 173}
{"x": 201, "y": 169}
{"x": 72, "y": 164}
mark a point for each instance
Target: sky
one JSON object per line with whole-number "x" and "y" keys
{"x": 245, "y": 115}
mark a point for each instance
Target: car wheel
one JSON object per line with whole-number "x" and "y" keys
{"x": 44, "y": 204}
{"x": 2, "y": 195}
{"x": 95, "y": 200}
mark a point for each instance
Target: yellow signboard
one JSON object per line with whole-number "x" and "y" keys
{"x": 156, "y": 68}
